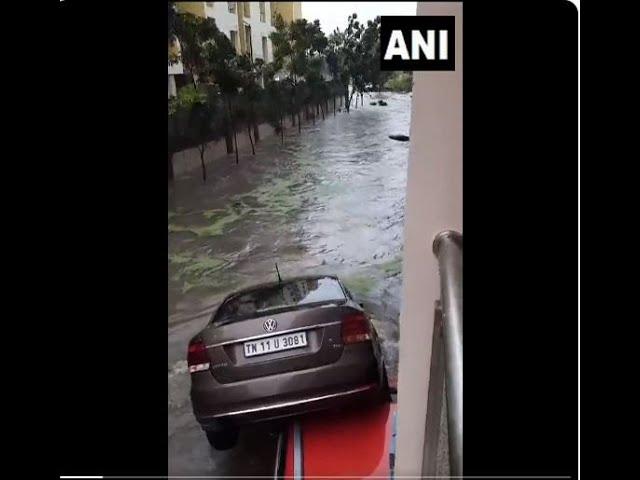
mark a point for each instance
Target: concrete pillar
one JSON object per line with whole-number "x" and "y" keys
{"x": 172, "y": 86}
{"x": 434, "y": 203}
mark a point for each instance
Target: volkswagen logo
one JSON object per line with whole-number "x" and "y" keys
{"x": 269, "y": 325}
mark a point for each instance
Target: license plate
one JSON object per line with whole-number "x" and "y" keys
{"x": 275, "y": 344}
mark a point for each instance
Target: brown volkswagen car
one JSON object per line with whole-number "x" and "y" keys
{"x": 282, "y": 349}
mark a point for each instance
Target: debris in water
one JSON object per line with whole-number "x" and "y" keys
{"x": 401, "y": 138}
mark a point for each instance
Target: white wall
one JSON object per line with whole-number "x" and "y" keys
{"x": 172, "y": 86}
{"x": 189, "y": 160}
{"x": 176, "y": 68}
{"x": 261, "y": 29}
{"x": 224, "y": 20}
{"x": 434, "y": 203}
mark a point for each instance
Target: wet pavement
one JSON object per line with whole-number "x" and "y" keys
{"x": 330, "y": 200}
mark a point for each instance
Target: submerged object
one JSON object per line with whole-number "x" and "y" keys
{"x": 382, "y": 103}
{"x": 400, "y": 138}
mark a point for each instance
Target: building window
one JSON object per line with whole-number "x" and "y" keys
{"x": 247, "y": 8}
{"x": 232, "y": 7}
{"x": 265, "y": 51}
{"x": 233, "y": 36}
{"x": 263, "y": 14}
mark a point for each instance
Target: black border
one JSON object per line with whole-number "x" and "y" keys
{"x": 520, "y": 152}
{"x": 110, "y": 195}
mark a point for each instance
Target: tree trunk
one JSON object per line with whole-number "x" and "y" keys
{"x": 170, "y": 166}
{"x": 299, "y": 124}
{"x": 235, "y": 143}
{"x": 322, "y": 110}
{"x": 204, "y": 167}
{"x": 227, "y": 137}
{"x": 253, "y": 123}
{"x": 253, "y": 150}
{"x": 318, "y": 109}
{"x": 313, "y": 116}
{"x": 235, "y": 137}
{"x": 346, "y": 98}
{"x": 293, "y": 119}
{"x": 282, "y": 128}
{"x": 229, "y": 141}
{"x": 334, "y": 105}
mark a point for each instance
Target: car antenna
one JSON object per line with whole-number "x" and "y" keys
{"x": 278, "y": 272}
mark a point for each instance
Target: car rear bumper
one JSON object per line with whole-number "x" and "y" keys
{"x": 216, "y": 405}
{"x": 289, "y": 408}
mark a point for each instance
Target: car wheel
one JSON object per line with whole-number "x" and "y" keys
{"x": 222, "y": 440}
{"x": 383, "y": 388}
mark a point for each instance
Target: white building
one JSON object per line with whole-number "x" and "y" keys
{"x": 246, "y": 24}
{"x": 174, "y": 69}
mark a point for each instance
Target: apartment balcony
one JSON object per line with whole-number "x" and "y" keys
{"x": 176, "y": 68}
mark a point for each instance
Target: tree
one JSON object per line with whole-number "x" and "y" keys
{"x": 294, "y": 46}
{"x": 314, "y": 82}
{"x": 221, "y": 67}
{"x": 343, "y": 46}
{"x": 192, "y": 116}
{"x": 251, "y": 75}
{"x": 355, "y": 56}
{"x": 282, "y": 40}
{"x": 275, "y": 105}
{"x": 193, "y": 34}
{"x": 315, "y": 43}
{"x": 171, "y": 30}
{"x": 334, "y": 64}
{"x": 371, "y": 55}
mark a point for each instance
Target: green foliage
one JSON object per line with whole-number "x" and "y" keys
{"x": 171, "y": 29}
{"x": 194, "y": 34}
{"x": 186, "y": 98}
{"x": 399, "y": 82}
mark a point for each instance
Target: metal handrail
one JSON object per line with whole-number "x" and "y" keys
{"x": 447, "y": 247}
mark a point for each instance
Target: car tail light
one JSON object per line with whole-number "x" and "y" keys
{"x": 355, "y": 328}
{"x": 197, "y": 358}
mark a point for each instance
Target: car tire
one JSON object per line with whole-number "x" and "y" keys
{"x": 382, "y": 384}
{"x": 223, "y": 439}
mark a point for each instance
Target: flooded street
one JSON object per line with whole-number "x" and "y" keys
{"x": 330, "y": 200}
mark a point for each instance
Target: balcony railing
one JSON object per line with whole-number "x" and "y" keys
{"x": 446, "y": 357}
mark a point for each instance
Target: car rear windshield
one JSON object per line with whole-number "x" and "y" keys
{"x": 285, "y": 296}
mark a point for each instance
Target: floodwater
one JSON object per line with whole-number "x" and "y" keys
{"x": 330, "y": 200}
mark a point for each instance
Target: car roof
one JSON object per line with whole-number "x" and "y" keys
{"x": 266, "y": 285}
